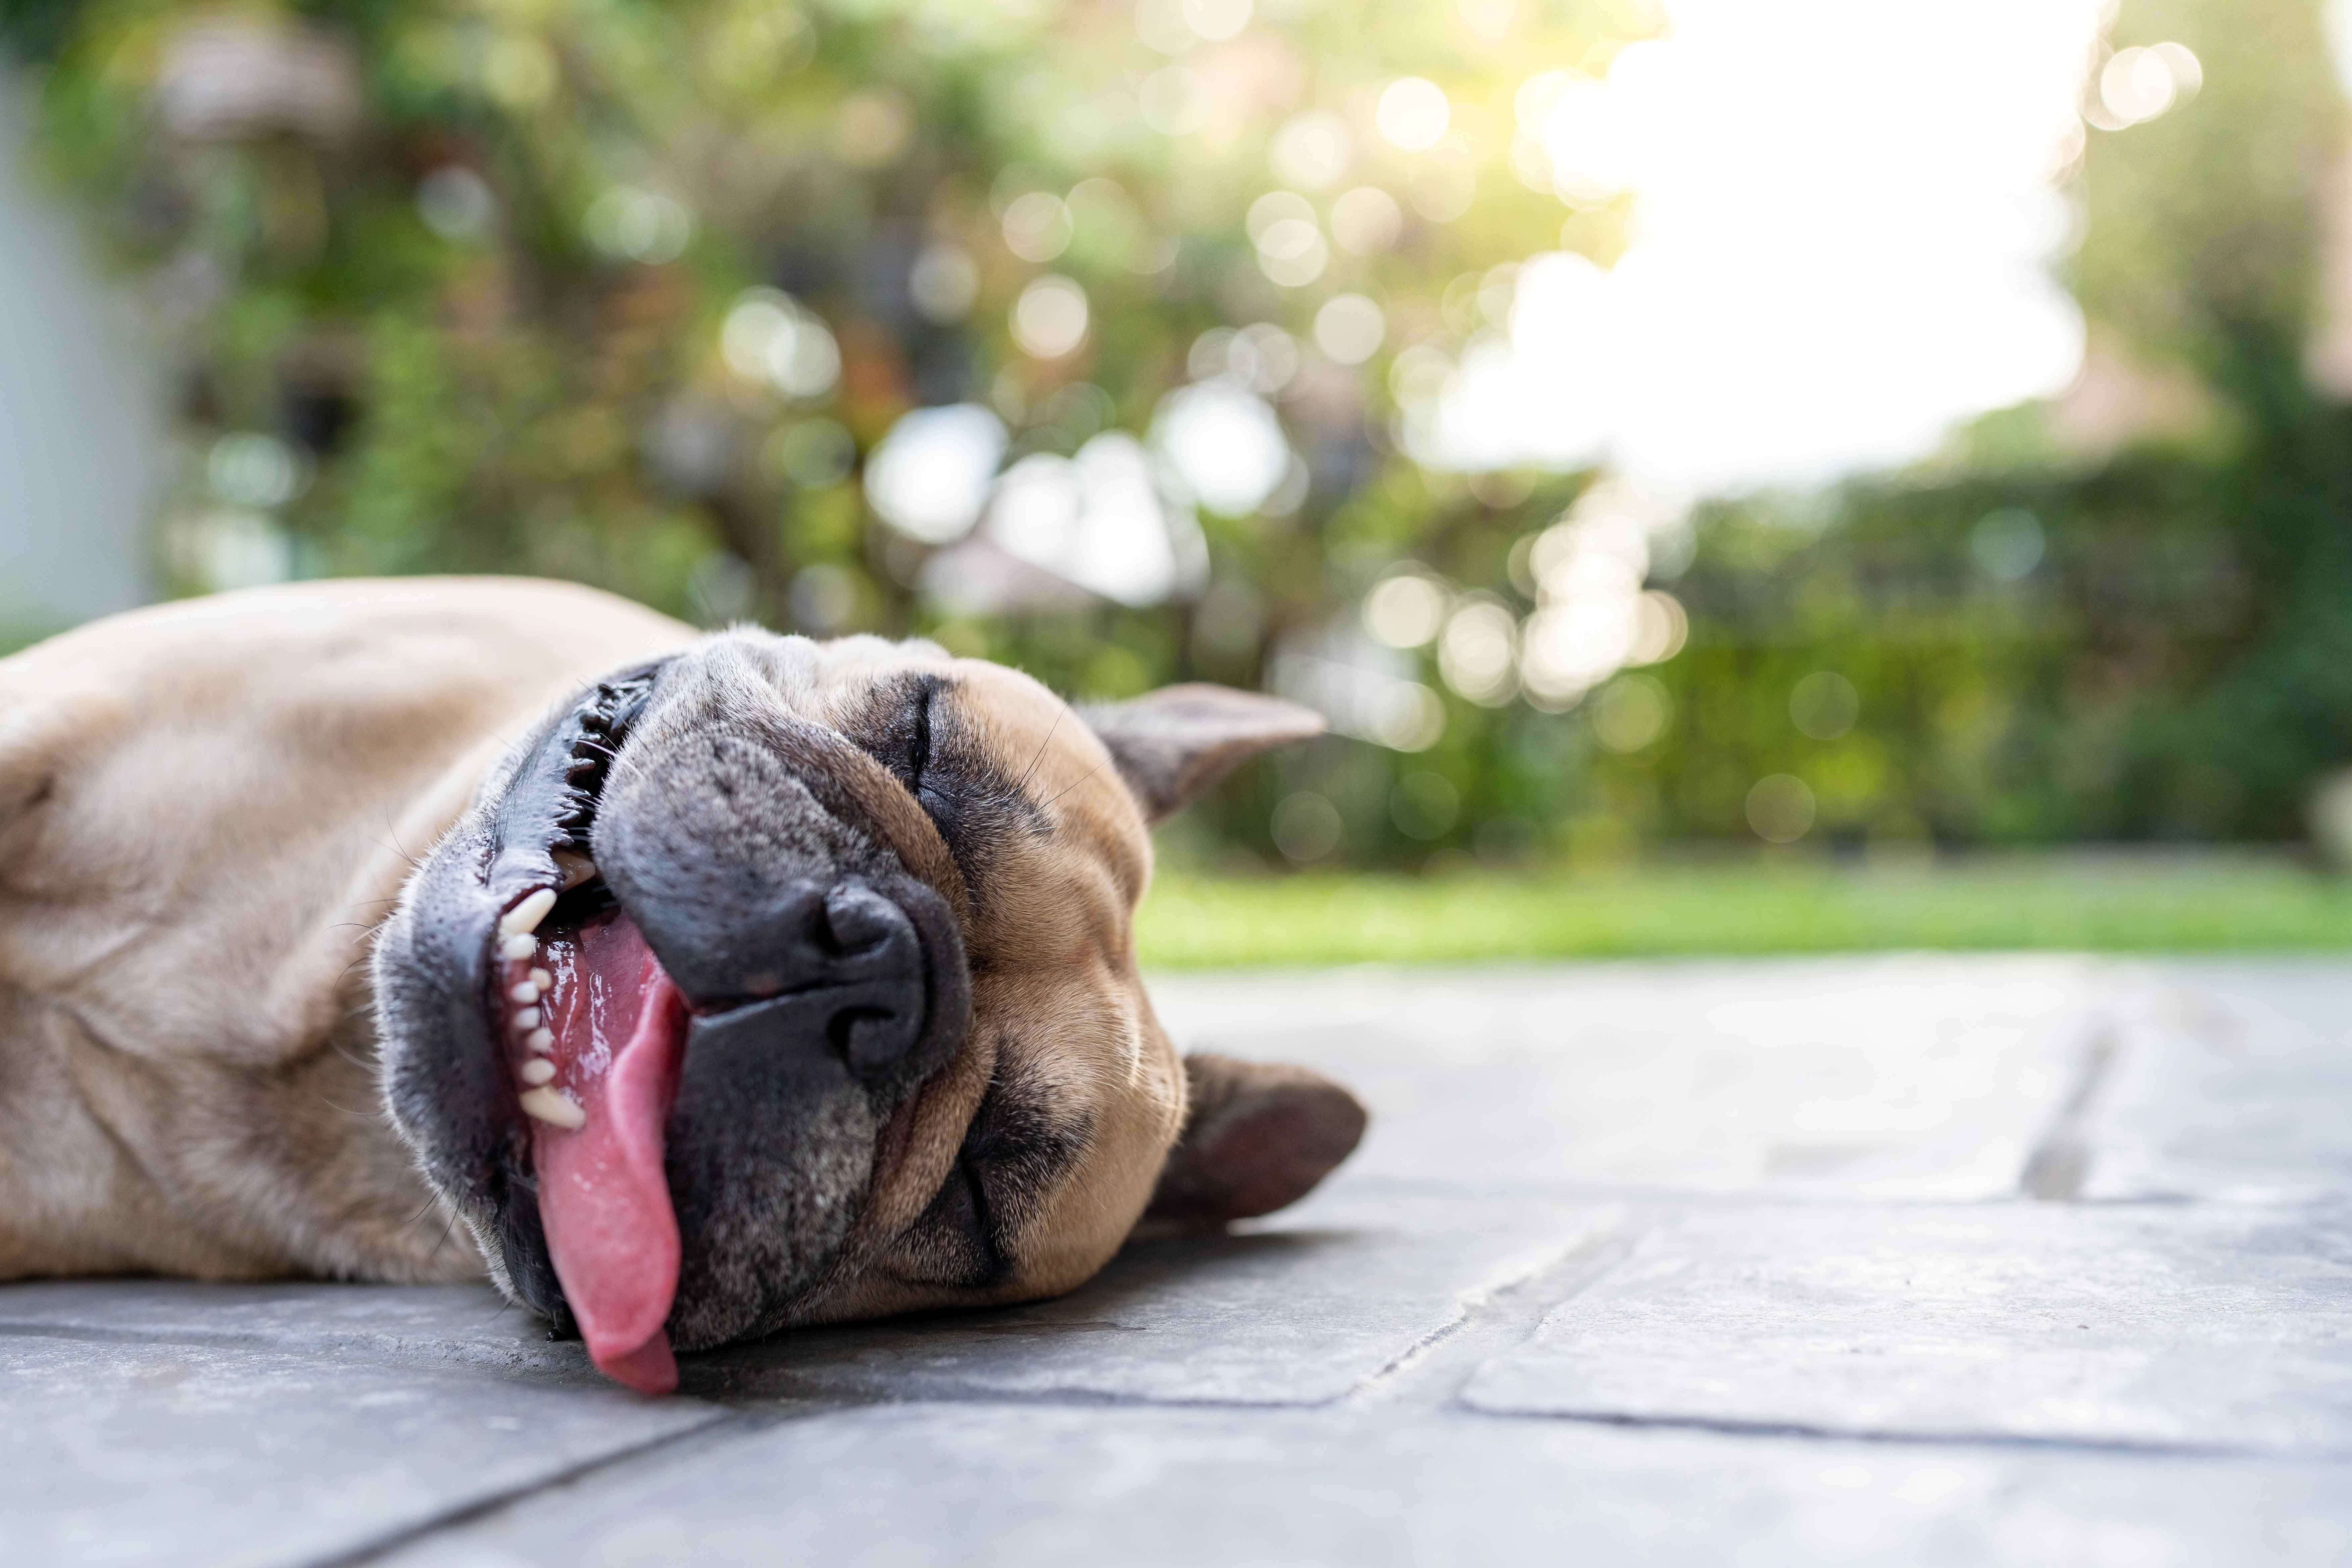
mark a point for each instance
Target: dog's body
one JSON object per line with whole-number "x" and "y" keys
{"x": 260, "y": 857}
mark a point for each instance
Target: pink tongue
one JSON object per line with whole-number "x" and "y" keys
{"x": 620, "y": 1035}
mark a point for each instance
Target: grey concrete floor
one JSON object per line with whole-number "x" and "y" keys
{"x": 1908, "y": 1259}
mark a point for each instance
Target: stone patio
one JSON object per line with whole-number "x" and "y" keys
{"x": 1909, "y": 1259}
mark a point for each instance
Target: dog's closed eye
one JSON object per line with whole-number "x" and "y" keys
{"x": 957, "y": 1232}
{"x": 897, "y": 731}
{"x": 915, "y": 727}
{"x": 1012, "y": 1155}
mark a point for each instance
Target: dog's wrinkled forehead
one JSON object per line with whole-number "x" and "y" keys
{"x": 1002, "y": 793}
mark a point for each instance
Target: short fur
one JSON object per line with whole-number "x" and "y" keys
{"x": 240, "y": 839}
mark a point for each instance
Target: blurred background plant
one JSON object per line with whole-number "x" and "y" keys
{"x": 1329, "y": 346}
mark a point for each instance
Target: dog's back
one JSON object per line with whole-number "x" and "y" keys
{"x": 205, "y": 809}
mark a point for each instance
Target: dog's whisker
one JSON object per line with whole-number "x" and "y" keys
{"x": 1080, "y": 780}
{"x": 1041, "y": 748}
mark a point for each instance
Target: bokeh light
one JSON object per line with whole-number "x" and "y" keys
{"x": 1414, "y": 113}
{"x": 1406, "y": 610}
{"x": 1049, "y": 319}
{"x": 930, "y": 478}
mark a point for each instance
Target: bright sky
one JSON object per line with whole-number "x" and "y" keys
{"x": 1845, "y": 222}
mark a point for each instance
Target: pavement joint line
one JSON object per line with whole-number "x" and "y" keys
{"x": 1731, "y": 1426}
{"x": 2060, "y": 1161}
{"x": 1435, "y": 1368}
{"x": 721, "y": 1424}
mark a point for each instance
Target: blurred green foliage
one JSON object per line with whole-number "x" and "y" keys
{"x": 2151, "y": 640}
{"x": 2067, "y": 902}
{"x": 467, "y": 266}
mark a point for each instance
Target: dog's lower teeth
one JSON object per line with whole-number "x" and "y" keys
{"x": 515, "y": 948}
{"x": 553, "y": 1108}
{"x": 526, "y": 1021}
{"x": 525, "y": 993}
{"x": 524, "y": 917}
{"x": 536, "y": 1070}
{"x": 541, "y": 1040}
{"x": 542, "y": 979}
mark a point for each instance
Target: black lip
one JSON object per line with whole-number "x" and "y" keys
{"x": 551, "y": 802}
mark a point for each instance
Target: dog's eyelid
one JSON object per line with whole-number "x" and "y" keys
{"x": 919, "y": 759}
{"x": 983, "y": 1218}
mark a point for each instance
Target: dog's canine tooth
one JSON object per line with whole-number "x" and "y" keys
{"x": 553, "y": 1108}
{"x": 541, "y": 1040}
{"x": 542, "y": 979}
{"x": 537, "y": 1072}
{"x": 524, "y": 917}
{"x": 515, "y": 948}
{"x": 526, "y": 1020}
{"x": 525, "y": 993}
{"x": 575, "y": 867}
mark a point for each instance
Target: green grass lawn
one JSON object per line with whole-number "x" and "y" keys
{"x": 2085, "y": 903}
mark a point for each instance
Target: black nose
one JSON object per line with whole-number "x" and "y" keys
{"x": 838, "y": 968}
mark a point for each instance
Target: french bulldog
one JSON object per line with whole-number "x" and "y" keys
{"x": 705, "y": 985}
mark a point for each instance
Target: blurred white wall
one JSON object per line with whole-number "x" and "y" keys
{"x": 81, "y": 421}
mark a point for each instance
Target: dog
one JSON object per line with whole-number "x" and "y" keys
{"x": 709, "y": 985}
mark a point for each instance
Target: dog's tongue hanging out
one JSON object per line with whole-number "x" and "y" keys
{"x": 619, "y": 1034}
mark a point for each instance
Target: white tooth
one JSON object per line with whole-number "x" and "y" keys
{"x": 541, "y": 1040}
{"x": 525, "y": 992}
{"x": 536, "y": 1070}
{"x": 525, "y": 1020}
{"x": 551, "y": 1107}
{"x": 542, "y": 979}
{"x": 515, "y": 948}
{"x": 524, "y": 917}
{"x": 575, "y": 867}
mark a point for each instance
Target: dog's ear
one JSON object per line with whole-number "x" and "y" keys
{"x": 1257, "y": 1136}
{"x": 1173, "y": 743}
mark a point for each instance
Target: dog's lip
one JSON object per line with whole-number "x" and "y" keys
{"x": 539, "y": 844}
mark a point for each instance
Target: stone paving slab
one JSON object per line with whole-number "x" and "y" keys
{"x": 1299, "y": 1311}
{"x": 464, "y": 1325}
{"x": 924, "y": 1484}
{"x": 195, "y": 1456}
{"x": 2214, "y": 1328}
{"x": 2232, "y": 1082}
{"x": 1296, "y": 1311}
{"x": 1642, "y": 1263}
{"x": 1908, "y": 1076}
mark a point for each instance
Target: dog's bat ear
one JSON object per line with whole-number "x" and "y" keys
{"x": 1173, "y": 743}
{"x": 1257, "y": 1136}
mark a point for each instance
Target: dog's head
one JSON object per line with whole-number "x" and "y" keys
{"x": 780, "y": 982}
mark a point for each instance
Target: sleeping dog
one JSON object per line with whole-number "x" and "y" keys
{"x": 710, "y": 985}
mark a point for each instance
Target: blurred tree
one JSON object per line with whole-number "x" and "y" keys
{"x": 2120, "y": 615}
{"x": 635, "y": 292}
{"x": 737, "y": 306}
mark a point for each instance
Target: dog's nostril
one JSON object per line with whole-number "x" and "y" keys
{"x": 868, "y": 1038}
{"x": 858, "y": 918}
